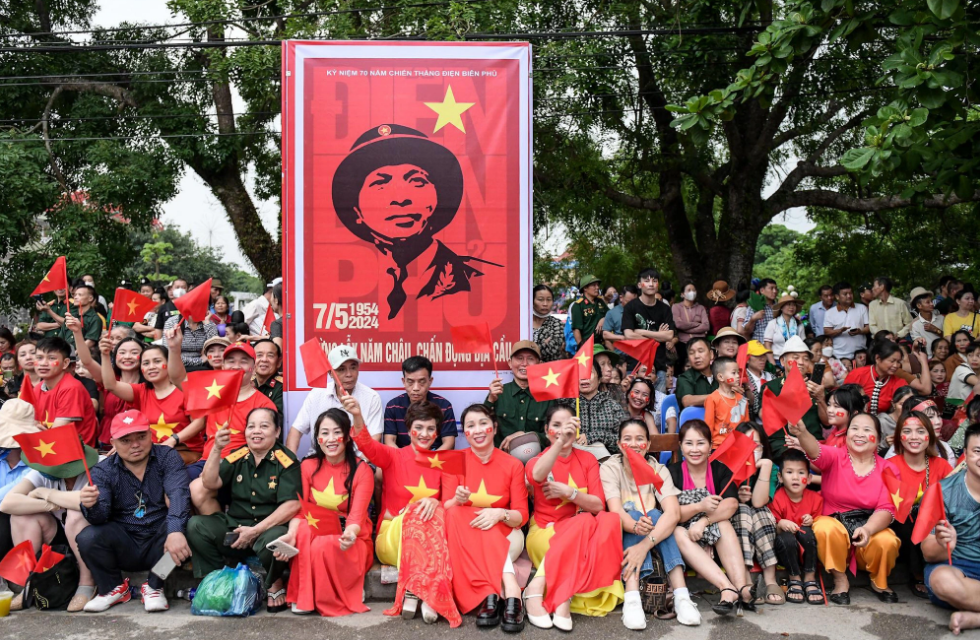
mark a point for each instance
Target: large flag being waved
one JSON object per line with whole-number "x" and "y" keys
{"x": 322, "y": 521}
{"x": 643, "y": 351}
{"x": 643, "y": 473}
{"x": 129, "y": 306}
{"x": 737, "y": 453}
{"x": 18, "y": 564}
{"x": 27, "y": 392}
{"x": 472, "y": 338}
{"x": 901, "y": 492}
{"x": 789, "y": 406}
{"x": 51, "y": 447}
{"x": 194, "y": 304}
{"x": 315, "y": 363}
{"x": 584, "y": 357}
{"x": 553, "y": 380}
{"x": 451, "y": 462}
{"x": 55, "y": 278}
{"x": 207, "y": 391}
{"x": 932, "y": 511}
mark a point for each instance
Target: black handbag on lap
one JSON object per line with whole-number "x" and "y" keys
{"x": 853, "y": 519}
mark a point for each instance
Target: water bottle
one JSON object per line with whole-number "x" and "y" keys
{"x": 186, "y": 594}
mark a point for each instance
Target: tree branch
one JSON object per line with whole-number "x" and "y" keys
{"x": 791, "y": 134}
{"x": 835, "y": 135}
{"x": 834, "y": 200}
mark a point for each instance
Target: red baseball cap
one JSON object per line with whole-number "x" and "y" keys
{"x": 128, "y": 422}
{"x": 244, "y": 347}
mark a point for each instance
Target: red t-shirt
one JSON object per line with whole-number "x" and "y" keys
{"x": 68, "y": 399}
{"x": 579, "y": 470}
{"x": 783, "y": 508}
{"x": 938, "y": 469}
{"x": 166, "y": 415}
{"x": 836, "y": 438}
{"x": 235, "y": 417}
{"x": 499, "y": 483}
{"x": 865, "y": 377}
{"x": 111, "y": 405}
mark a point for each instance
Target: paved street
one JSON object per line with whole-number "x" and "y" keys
{"x": 866, "y": 619}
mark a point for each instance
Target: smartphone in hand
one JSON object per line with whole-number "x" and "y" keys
{"x": 279, "y": 546}
{"x": 164, "y": 566}
{"x": 231, "y": 538}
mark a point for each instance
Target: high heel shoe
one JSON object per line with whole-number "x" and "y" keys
{"x": 723, "y": 608}
{"x": 742, "y": 605}
{"x": 541, "y": 622}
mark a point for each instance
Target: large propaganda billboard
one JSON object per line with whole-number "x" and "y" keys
{"x": 406, "y": 203}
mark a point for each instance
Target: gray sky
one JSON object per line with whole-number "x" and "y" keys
{"x": 195, "y": 209}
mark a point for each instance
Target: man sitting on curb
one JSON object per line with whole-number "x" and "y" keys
{"x": 132, "y": 523}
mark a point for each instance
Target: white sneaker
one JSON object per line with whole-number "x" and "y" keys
{"x": 100, "y": 603}
{"x": 429, "y": 614}
{"x": 410, "y": 606}
{"x": 687, "y": 612}
{"x": 633, "y": 615}
{"x": 153, "y": 599}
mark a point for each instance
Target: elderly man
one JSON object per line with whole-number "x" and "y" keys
{"x": 138, "y": 507}
{"x": 886, "y": 312}
{"x": 796, "y": 353}
{"x": 517, "y": 410}
{"x": 266, "y": 376}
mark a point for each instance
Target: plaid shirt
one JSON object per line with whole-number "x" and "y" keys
{"x": 759, "y": 332}
{"x": 601, "y": 417}
{"x": 190, "y": 352}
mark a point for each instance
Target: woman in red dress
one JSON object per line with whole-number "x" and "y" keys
{"x": 327, "y": 575}
{"x": 485, "y": 511}
{"x": 878, "y": 379}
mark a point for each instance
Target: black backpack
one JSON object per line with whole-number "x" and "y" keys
{"x": 54, "y": 588}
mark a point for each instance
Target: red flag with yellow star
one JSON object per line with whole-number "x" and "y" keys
{"x": 49, "y": 558}
{"x": 207, "y": 391}
{"x": 56, "y": 278}
{"x": 27, "y": 392}
{"x": 643, "y": 351}
{"x": 902, "y": 494}
{"x": 451, "y": 462}
{"x": 129, "y": 306}
{"x": 18, "y": 564}
{"x": 52, "y": 446}
{"x": 322, "y": 521}
{"x": 584, "y": 358}
{"x": 553, "y": 380}
{"x": 194, "y": 303}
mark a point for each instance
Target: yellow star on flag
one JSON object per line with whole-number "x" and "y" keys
{"x": 45, "y": 448}
{"x": 483, "y": 499}
{"x": 47, "y": 420}
{"x": 582, "y": 359}
{"x": 551, "y": 378}
{"x": 435, "y": 462}
{"x": 328, "y": 497}
{"x": 897, "y": 499}
{"x": 45, "y": 278}
{"x": 571, "y": 483}
{"x": 449, "y": 111}
{"x": 311, "y": 521}
{"x": 420, "y": 491}
{"x": 162, "y": 428}
{"x": 132, "y": 307}
{"x": 214, "y": 391}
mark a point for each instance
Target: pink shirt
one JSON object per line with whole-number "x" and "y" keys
{"x": 843, "y": 490}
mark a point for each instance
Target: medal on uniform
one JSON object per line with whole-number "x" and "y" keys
{"x": 272, "y": 482}
{"x": 239, "y": 478}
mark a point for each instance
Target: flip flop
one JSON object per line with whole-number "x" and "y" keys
{"x": 275, "y": 595}
{"x": 775, "y": 590}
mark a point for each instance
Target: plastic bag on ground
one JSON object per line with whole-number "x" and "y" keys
{"x": 228, "y": 592}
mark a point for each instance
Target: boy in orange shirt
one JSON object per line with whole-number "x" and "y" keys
{"x": 725, "y": 408}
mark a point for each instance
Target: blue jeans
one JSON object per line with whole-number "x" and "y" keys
{"x": 970, "y": 570}
{"x": 667, "y": 548}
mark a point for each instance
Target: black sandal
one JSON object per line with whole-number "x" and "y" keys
{"x": 813, "y": 590}
{"x": 744, "y": 606}
{"x": 843, "y": 598}
{"x": 795, "y": 588}
{"x": 723, "y": 608}
{"x": 919, "y": 593}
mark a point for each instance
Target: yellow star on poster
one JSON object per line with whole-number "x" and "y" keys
{"x": 328, "y": 497}
{"x": 132, "y": 307}
{"x": 311, "y": 521}
{"x": 897, "y": 499}
{"x": 449, "y": 111}
{"x": 551, "y": 378}
{"x": 214, "y": 391}
{"x": 435, "y": 462}
{"x": 420, "y": 491}
{"x": 162, "y": 428}
{"x": 571, "y": 483}
{"x": 483, "y": 499}
{"x": 45, "y": 448}
{"x": 47, "y": 420}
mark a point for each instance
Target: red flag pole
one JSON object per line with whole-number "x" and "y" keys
{"x": 87, "y": 472}
{"x": 640, "y": 496}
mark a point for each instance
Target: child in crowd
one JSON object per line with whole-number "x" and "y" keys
{"x": 724, "y": 408}
{"x": 236, "y": 332}
{"x": 794, "y": 509}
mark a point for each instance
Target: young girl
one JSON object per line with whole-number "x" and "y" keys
{"x": 845, "y": 402}
{"x": 638, "y": 403}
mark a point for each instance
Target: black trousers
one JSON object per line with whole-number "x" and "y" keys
{"x": 788, "y": 546}
{"x": 6, "y": 540}
{"x": 910, "y": 554}
{"x": 109, "y": 549}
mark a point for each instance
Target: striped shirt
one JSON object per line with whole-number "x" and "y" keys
{"x": 194, "y": 339}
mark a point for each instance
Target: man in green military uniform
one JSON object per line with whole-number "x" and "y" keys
{"x": 796, "y": 352}
{"x": 264, "y": 482}
{"x": 266, "y": 378}
{"x": 84, "y": 309}
{"x": 516, "y": 409}
{"x": 589, "y": 311}
{"x": 52, "y": 314}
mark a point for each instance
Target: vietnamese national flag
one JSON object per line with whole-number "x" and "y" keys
{"x": 789, "y": 406}
{"x": 472, "y": 338}
{"x": 584, "y": 358}
{"x": 643, "y": 473}
{"x": 737, "y": 453}
{"x": 18, "y": 564}
{"x": 553, "y": 380}
{"x": 901, "y": 493}
{"x": 56, "y": 278}
{"x": 643, "y": 351}
{"x": 27, "y": 392}
{"x": 129, "y": 306}
{"x": 270, "y": 317}
{"x": 48, "y": 559}
{"x": 195, "y": 303}
{"x": 742, "y": 360}
{"x": 315, "y": 363}
{"x": 322, "y": 521}
{"x": 932, "y": 510}
{"x": 451, "y": 462}
{"x": 51, "y": 447}
{"x": 208, "y": 391}
{"x": 584, "y": 555}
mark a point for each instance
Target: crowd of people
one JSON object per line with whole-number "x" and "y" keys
{"x": 461, "y": 508}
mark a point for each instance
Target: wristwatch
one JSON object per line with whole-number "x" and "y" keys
{"x": 175, "y": 437}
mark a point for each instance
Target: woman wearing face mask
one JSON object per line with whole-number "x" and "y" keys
{"x": 485, "y": 510}
{"x": 857, "y": 508}
{"x": 823, "y": 352}
{"x": 691, "y": 319}
{"x": 845, "y": 402}
{"x": 784, "y": 326}
{"x": 878, "y": 379}
{"x": 569, "y": 504}
{"x": 638, "y": 400}
{"x": 160, "y": 401}
{"x": 548, "y": 332}
{"x": 411, "y": 514}
{"x": 705, "y": 520}
{"x": 600, "y": 414}
{"x": 917, "y": 462}
{"x": 327, "y": 575}
{"x": 754, "y": 523}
